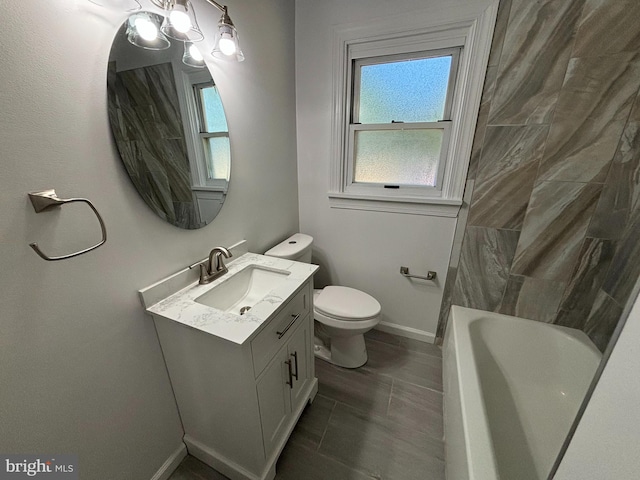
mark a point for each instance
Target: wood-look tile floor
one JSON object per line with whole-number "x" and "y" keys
{"x": 381, "y": 421}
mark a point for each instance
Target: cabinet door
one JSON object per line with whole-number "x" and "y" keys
{"x": 274, "y": 400}
{"x": 299, "y": 354}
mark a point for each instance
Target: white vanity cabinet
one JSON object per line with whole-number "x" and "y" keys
{"x": 239, "y": 402}
{"x": 282, "y": 387}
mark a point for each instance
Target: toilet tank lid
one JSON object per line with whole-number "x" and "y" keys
{"x": 291, "y": 247}
{"x": 346, "y": 302}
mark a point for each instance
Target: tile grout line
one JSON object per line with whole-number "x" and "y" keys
{"x": 406, "y": 349}
{"x": 326, "y": 427}
{"x": 353, "y": 468}
{"x": 344, "y": 464}
{"x": 392, "y": 378}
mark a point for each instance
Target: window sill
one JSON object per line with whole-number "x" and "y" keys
{"x": 208, "y": 188}
{"x": 436, "y": 207}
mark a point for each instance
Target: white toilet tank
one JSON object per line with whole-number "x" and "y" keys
{"x": 297, "y": 247}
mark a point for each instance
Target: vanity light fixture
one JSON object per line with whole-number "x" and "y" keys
{"x": 143, "y": 32}
{"x": 226, "y": 45}
{"x": 192, "y": 56}
{"x": 181, "y": 24}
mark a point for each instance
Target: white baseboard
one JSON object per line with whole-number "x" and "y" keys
{"x": 407, "y": 332}
{"x": 168, "y": 467}
{"x": 216, "y": 461}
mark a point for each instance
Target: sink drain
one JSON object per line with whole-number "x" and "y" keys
{"x": 244, "y": 309}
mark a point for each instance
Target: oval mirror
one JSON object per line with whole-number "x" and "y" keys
{"x": 168, "y": 123}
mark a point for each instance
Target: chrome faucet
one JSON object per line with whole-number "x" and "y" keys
{"x": 215, "y": 266}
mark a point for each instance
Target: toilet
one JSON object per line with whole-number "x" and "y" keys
{"x": 343, "y": 315}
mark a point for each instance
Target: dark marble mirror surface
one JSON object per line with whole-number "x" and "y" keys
{"x": 170, "y": 130}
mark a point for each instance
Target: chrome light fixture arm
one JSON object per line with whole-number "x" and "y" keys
{"x": 169, "y": 4}
{"x": 222, "y": 8}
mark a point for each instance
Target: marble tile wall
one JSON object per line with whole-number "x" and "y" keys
{"x": 147, "y": 126}
{"x": 552, "y": 228}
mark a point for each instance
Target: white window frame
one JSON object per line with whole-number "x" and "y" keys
{"x": 441, "y": 28}
{"x": 191, "y": 119}
{"x": 354, "y": 125}
{"x": 197, "y": 99}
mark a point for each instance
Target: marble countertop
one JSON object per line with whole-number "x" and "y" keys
{"x": 181, "y": 306}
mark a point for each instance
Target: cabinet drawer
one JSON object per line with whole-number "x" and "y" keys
{"x": 279, "y": 329}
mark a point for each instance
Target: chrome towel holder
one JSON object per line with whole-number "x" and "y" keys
{"x": 404, "y": 271}
{"x": 46, "y": 200}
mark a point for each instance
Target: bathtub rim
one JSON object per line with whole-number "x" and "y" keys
{"x": 481, "y": 461}
{"x": 480, "y": 456}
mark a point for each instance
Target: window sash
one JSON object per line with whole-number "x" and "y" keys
{"x": 197, "y": 90}
{"x": 396, "y": 189}
{"x": 356, "y": 73}
{"x": 212, "y": 182}
{"x": 197, "y": 94}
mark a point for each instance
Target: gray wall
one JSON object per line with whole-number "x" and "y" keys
{"x": 554, "y": 219}
{"x": 81, "y": 369}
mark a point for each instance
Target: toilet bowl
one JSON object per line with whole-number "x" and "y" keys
{"x": 342, "y": 314}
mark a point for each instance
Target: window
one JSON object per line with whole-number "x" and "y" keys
{"x": 213, "y": 132}
{"x": 400, "y": 120}
{"x": 406, "y": 97}
{"x": 206, "y": 130}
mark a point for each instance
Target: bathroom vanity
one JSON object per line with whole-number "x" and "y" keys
{"x": 241, "y": 381}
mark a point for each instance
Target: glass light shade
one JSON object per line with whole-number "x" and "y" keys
{"x": 143, "y": 32}
{"x": 226, "y": 44}
{"x": 146, "y": 28}
{"x": 192, "y": 56}
{"x": 181, "y": 22}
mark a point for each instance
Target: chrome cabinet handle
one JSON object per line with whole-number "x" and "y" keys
{"x": 295, "y": 317}
{"x": 295, "y": 357}
{"x": 290, "y": 382}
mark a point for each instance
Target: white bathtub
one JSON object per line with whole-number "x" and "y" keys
{"x": 512, "y": 388}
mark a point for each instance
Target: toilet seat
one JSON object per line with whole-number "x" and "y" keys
{"x": 345, "y": 304}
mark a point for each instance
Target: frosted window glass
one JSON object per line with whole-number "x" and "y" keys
{"x": 407, "y": 91}
{"x": 214, "y": 119}
{"x": 404, "y": 157}
{"x": 218, "y": 158}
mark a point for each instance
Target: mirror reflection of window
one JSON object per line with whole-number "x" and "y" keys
{"x": 168, "y": 123}
{"x": 214, "y": 131}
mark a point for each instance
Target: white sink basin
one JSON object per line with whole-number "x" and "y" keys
{"x": 242, "y": 290}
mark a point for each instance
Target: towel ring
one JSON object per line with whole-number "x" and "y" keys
{"x": 46, "y": 200}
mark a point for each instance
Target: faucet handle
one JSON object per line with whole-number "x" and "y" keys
{"x": 197, "y": 264}
{"x": 203, "y": 273}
